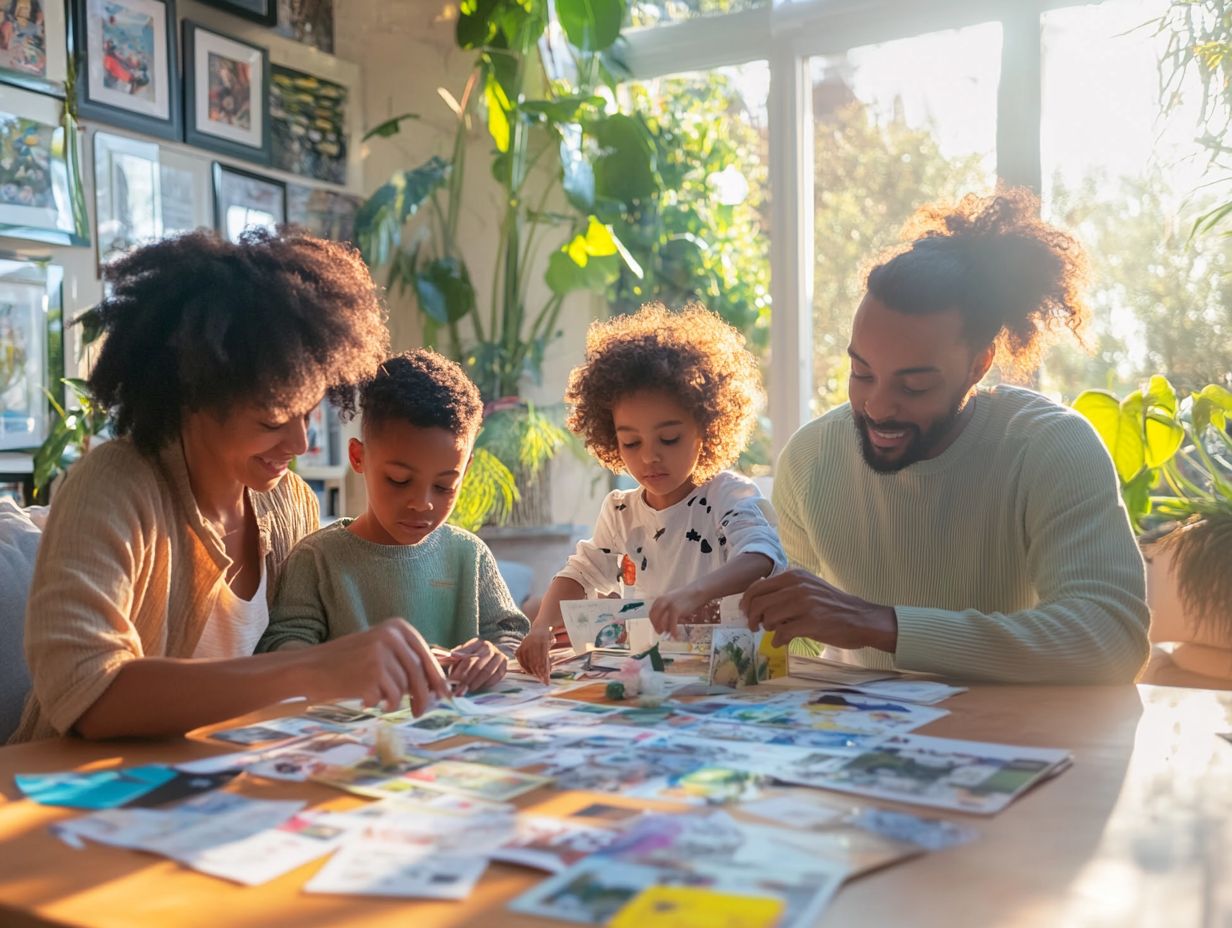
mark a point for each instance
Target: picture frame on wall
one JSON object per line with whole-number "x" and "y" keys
{"x": 264, "y": 12}
{"x": 144, "y": 192}
{"x": 31, "y": 348}
{"x": 308, "y": 125}
{"x": 323, "y": 213}
{"x": 226, "y": 94}
{"x": 127, "y": 195}
{"x": 244, "y": 200}
{"x": 127, "y": 65}
{"x": 34, "y": 50}
{"x": 38, "y": 183}
{"x": 310, "y": 22}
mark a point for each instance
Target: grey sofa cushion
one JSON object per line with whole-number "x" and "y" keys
{"x": 19, "y": 539}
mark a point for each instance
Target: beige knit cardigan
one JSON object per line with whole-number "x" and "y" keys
{"x": 128, "y": 568}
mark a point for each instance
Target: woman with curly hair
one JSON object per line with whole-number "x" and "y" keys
{"x": 947, "y": 527}
{"x": 671, "y": 399}
{"x": 163, "y": 547}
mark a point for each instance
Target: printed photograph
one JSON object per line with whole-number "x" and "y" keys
{"x": 25, "y": 163}
{"x": 128, "y": 51}
{"x": 23, "y": 366}
{"x": 230, "y": 91}
{"x": 23, "y": 37}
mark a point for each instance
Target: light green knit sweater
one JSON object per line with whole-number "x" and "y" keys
{"x": 1008, "y": 557}
{"x": 447, "y": 586}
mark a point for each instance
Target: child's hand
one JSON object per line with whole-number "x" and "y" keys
{"x": 474, "y": 665}
{"x": 533, "y": 653}
{"x": 671, "y": 609}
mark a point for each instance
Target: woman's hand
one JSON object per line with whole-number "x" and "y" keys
{"x": 380, "y": 665}
{"x": 475, "y": 665}
{"x": 533, "y": 653}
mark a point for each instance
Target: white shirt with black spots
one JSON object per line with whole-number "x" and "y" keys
{"x": 637, "y": 551}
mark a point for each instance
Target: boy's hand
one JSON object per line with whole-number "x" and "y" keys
{"x": 671, "y": 609}
{"x": 533, "y": 653}
{"x": 475, "y": 665}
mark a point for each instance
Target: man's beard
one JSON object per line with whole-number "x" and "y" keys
{"x": 918, "y": 448}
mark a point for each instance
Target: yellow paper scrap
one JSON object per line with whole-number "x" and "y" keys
{"x": 691, "y": 907}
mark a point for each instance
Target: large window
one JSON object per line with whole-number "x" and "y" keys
{"x": 707, "y": 239}
{"x": 876, "y": 109}
{"x": 1128, "y": 180}
{"x": 895, "y": 125}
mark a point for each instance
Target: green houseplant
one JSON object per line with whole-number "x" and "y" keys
{"x": 563, "y": 160}
{"x": 1174, "y": 463}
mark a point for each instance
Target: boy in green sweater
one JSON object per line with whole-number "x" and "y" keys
{"x": 421, "y": 415}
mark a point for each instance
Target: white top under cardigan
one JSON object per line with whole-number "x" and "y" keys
{"x": 236, "y": 625}
{"x": 665, "y": 549}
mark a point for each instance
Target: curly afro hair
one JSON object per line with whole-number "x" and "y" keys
{"x": 1012, "y": 276}
{"x": 692, "y": 355}
{"x": 425, "y": 389}
{"x": 197, "y": 323}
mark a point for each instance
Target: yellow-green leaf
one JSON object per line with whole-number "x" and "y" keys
{"x": 498, "y": 113}
{"x": 1120, "y": 427}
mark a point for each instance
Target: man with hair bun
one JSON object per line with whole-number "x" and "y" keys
{"x": 938, "y": 526}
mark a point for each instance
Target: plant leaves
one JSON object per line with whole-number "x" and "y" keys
{"x": 488, "y": 492}
{"x": 498, "y": 107}
{"x": 1119, "y": 426}
{"x": 591, "y": 25}
{"x": 1212, "y": 406}
{"x": 625, "y": 168}
{"x": 443, "y": 287}
{"x": 379, "y": 221}
{"x": 389, "y": 127}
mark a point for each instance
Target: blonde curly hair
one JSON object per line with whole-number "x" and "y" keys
{"x": 692, "y": 355}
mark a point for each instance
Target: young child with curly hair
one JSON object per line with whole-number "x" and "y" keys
{"x": 421, "y": 415}
{"x": 671, "y": 399}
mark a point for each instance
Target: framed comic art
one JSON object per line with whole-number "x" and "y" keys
{"x": 243, "y": 200}
{"x": 264, "y": 12}
{"x": 226, "y": 94}
{"x": 33, "y": 45}
{"x": 40, "y": 192}
{"x": 31, "y": 349}
{"x": 127, "y": 73}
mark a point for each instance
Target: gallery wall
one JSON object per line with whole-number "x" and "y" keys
{"x": 392, "y": 58}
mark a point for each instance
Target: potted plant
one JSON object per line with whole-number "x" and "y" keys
{"x": 1174, "y": 463}
{"x": 563, "y": 159}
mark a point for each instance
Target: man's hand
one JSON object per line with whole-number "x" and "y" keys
{"x": 475, "y": 665}
{"x": 798, "y": 604}
{"x": 672, "y": 609}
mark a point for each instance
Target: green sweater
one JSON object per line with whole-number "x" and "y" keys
{"x": 1008, "y": 557}
{"x": 447, "y": 586}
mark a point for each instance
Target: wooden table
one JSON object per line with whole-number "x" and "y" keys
{"x": 1138, "y": 832}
